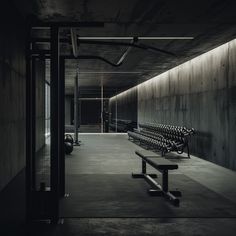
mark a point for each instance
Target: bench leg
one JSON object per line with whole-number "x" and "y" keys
{"x": 163, "y": 190}
{"x": 144, "y": 172}
{"x": 142, "y": 176}
{"x": 165, "y": 181}
{"x": 171, "y": 195}
{"x": 176, "y": 193}
{"x": 188, "y": 151}
{"x": 144, "y": 167}
{"x": 156, "y": 192}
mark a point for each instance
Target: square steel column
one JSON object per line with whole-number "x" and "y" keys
{"x": 29, "y": 120}
{"x": 62, "y": 125}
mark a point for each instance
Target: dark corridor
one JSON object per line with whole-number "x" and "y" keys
{"x": 90, "y": 112}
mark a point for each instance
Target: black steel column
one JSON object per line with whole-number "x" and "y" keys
{"x": 55, "y": 139}
{"x": 76, "y": 109}
{"x": 28, "y": 127}
{"x": 33, "y": 122}
{"x": 62, "y": 126}
{"x": 144, "y": 171}
{"x": 165, "y": 180}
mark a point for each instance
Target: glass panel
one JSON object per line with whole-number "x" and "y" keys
{"x": 42, "y": 126}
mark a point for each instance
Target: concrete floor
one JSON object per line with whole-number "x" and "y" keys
{"x": 139, "y": 227}
{"x": 112, "y": 154}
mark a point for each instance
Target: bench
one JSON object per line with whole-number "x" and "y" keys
{"x": 163, "y": 166}
{"x": 122, "y": 125}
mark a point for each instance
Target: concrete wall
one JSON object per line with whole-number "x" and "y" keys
{"x": 200, "y": 93}
{"x": 126, "y": 105}
{"x": 12, "y": 94}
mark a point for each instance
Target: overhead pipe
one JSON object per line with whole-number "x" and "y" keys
{"x": 46, "y": 54}
{"x": 99, "y": 42}
{"x": 124, "y": 55}
{"x": 132, "y": 44}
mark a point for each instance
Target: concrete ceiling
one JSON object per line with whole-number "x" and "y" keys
{"x": 211, "y": 23}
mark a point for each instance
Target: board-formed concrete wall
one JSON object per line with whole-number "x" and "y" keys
{"x": 12, "y": 94}
{"x": 200, "y": 93}
{"x": 126, "y": 105}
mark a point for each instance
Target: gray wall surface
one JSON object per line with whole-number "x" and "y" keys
{"x": 200, "y": 93}
{"x": 126, "y": 105}
{"x": 12, "y": 95}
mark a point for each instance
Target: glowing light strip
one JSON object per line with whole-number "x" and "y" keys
{"x": 92, "y": 99}
{"x": 81, "y": 134}
{"x": 110, "y": 72}
{"x": 193, "y": 60}
{"x": 141, "y": 38}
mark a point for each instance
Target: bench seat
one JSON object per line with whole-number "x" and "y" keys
{"x": 161, "y": 163}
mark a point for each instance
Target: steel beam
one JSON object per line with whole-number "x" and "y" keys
{"x": 62, "y": 126}
{"x": 37, "y": 24}
{"x": 76, "y": 118}
{"x": 28, "y": 128}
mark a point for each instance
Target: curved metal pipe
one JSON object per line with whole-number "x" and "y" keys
{"x": 135, "y": 45}
{"x": 74, "y": 42}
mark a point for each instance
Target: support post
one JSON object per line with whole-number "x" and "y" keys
{"x": 102, "y": 106}
{"x": 33, "y": 123}
{"x": 62, "y": 126}
{"x": 29, "y": 150}
{"x": 116, "y": 113}
{"x": 55, "y": 140}
{"x": 76, "y": 95}
{"x": 144, "y": 171}
{"x": 165, "y": 180}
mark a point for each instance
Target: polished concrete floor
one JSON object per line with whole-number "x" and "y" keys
{"x": 138, "y": 227}
{"x": 97, "y": 170}
{"x": 114, "y": 154}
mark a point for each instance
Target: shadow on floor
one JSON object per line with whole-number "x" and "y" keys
{"x": 122, "y": 196}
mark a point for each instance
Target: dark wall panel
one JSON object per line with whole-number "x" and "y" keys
{"x": 12, "y": 119}
{"x": 12, "y": 93}
{"x": 90, "y": 112}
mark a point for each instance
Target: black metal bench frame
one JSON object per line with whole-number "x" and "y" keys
{"x": 158, "y": 189}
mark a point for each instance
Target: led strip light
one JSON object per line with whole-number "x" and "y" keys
{"x": 141, "y": 38}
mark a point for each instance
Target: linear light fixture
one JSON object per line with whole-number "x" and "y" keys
{"x": 110, "y": 72}
{"x": 92, "y": 99}
{"x": 141, "y": 38}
